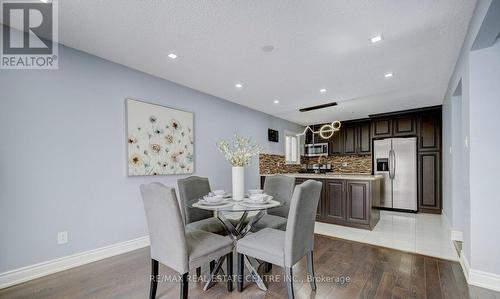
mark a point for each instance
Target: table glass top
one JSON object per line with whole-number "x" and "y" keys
{"x": 230, "y": 205}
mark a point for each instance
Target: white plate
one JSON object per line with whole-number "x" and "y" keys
{"x": 257, "y": 205}
{"x": 206, "y": 203}
{"x": 209, "y": 206}
{"x": 253, "y": 203}
{"x": 250, "y": 200}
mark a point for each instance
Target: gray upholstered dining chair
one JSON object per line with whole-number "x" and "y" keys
{"x": 193, "y": 188}
{"x": 286, "y": 248}
{"x": 175, "y": 247}
{"x": 281, "y": 188}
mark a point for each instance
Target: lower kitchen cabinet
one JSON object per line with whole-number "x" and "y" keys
{"x": 319, "y": 211}
{"x": 334, "y": 202}
{"x": 429, "y": 182}
{"x": 358, "y": 202}
{"x": 347, "y": 202}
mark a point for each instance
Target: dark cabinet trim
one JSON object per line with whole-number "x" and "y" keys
{"x": 429, "y": 182}
{"x": 405, "y": 125}
{"x": 382, "y": 128}
{"x": 429, "y": 135}
{"x": 357, "y": 202}
{"x": 335, "y": 208}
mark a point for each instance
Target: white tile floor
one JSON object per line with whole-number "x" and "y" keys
{"x": 426, "y": 234}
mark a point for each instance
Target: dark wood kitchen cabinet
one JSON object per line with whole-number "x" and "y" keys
{"x": 334, "y": 203}
{"x": 336, "y": 144}
{"x": 429, "y": 182}
{"x": 358, "y": 205}
{"x": 405, "y": 125}
{"x": 350, "y": 135}
{"x": 429, "y": 135}
{"x": 357, "y": 138}
{"x": 320, "y": 209}
{"x": 382, "y": 127}
{"x": 347, "y": 202}
{"x": 364, "y": 138}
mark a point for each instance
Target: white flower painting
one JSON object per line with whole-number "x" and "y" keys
{"x": 160, "y": 140}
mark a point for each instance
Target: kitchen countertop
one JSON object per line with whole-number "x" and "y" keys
{"x": 338, "y": 176}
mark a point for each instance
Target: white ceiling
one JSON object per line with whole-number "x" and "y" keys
{"x": 318, "y": 44}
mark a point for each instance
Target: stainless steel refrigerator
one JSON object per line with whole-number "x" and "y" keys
{"x": 396, "y": 160}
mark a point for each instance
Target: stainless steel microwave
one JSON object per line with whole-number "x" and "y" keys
{"x": 316, "y": 149}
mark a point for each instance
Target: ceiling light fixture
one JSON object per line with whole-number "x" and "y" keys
{"x": 276, "y": 102}
{"x": 376, "y": 39}
{"x": 238, "y": 85}
{"x": 172, "y": 56}
{"x": 388, "y": 75}
{"x": 318, "y": 107}
{"x": 322, "y": 90}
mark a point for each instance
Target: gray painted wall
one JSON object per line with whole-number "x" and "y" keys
{"x": 461, "y": 75}
{"x": 63, "y": 154}
{"x": 484, "y": 158}
{"x": 474, "y": 203}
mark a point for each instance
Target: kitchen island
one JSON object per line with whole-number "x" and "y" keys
{"x": 346, "y": 199}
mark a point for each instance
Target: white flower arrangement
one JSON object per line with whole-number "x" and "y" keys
{"x": 239, "y": 151}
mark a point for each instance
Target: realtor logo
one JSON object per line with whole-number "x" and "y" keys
{"x": 29, "y": 35}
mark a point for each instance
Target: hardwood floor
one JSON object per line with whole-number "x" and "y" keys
{"x": 373, "y": 272}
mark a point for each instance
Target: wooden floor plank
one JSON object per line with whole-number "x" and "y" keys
{"x": 432, "y": 281}
{"x": 374, "y": 272}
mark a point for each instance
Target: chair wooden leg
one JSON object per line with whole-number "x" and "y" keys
{"x": 310, "y": 270}
{"x": 198, "y": 272}
{"x": 154, "y": 281}
{"x": 212, "y": 266}
{"x": 268, "y": 267}
{"x": 239, "y": 281}
{"x": 184, "y": 286}
{"x": 229, "y": 268}
{"x": 289, "y": 281}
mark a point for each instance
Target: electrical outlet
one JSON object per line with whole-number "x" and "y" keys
{"x": 467, "y": 141}
{"x": 62, "y": 237}
{"x": 344, "y": 164}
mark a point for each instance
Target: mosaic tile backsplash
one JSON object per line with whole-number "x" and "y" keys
{"x": 270, "y": 164}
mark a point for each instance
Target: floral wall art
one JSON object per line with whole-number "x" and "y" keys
{"x": 160, "y": 140}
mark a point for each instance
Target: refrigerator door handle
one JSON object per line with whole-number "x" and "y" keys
{"x": 391, "y": 164}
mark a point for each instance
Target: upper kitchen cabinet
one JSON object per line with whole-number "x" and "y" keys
{"x": 429, "y": 126}
{"x": 382, "y": 127}
{"x": 395, "y": 126}
{"x": 405, "y": 125}
{"x": 357, "y": 138}
{"x": 350, "y": 138}
{"x": 336, "y": 144}
{"x": 364, "y": 138}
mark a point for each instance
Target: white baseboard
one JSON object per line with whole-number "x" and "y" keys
{"x": 479, "y": 278}
{"x": 465, "y": 265}
{"x": 24, "y": 274}
{"x": 456, "y": 235}
{"x": 484, "y": 279}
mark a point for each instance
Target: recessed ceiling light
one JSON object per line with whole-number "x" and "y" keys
{"x": 388, "y": 75}
{"x": 238, "y": 85}
{"x": 376, "y": 39}
{"x": 322, "y": 90}
{"x": 276, "y": 101}
{"x": 172, "y": 56}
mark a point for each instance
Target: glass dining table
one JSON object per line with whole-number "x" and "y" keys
{"x": 237, "y": 228}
